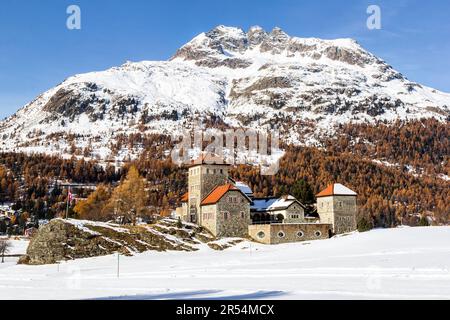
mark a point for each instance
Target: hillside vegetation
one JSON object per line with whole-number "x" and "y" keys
{"x": 400, "y": 173}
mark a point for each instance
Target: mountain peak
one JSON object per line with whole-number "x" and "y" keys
{"x": 216, "y": 47}
{"x": 277, "y": 32}
{"x": 249, "y": 79}
{"x": 222, "y": 31}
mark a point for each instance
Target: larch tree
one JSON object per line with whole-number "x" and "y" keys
{"x": 129, "y": 199}
{"x": 94, "y": 207}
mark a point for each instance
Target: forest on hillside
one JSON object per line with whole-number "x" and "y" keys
{"x": 388, "y": 195}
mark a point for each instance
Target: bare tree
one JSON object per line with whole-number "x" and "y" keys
{"x": 5, "y": 245}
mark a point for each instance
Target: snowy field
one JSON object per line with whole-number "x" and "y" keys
{"x": 403, "y": 263}
{"x": 18, "y": 245}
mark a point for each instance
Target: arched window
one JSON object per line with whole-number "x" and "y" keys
{"x": 261, "y": 235}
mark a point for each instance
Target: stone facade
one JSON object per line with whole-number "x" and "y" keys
{"x": 209, "y": 218}
{"x": 233, "y": 215}
{"x": 202, "y": 180}
{"x": 215, "y": 203}
{"x": 293, "y": 214}
{"x": 340, "y": 211}
{"x": 228, "y": 217}
{"x": 289, "y": 232}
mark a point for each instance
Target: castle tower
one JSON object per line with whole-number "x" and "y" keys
{"x": 336, "y": 205}
{"x": 204, "y": 176}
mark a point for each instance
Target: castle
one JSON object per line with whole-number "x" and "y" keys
{"x": 227, "y": 208}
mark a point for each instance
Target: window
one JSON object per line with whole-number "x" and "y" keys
{"x": 207, "y": 171}
{"x": 318, "y": 234}
{"x": 281, "y": 234}
{"x": 221, "y": 171}
{"x": 242, "y": 214}
{"x": 300, "y": 234}
{"x": 340, "y": 205}
{"x": 225, "y": 215}
{"x": 261, "y": 235}
{"x": 294, "y": 216}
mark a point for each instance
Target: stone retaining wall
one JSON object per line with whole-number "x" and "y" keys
{"x": 289, "y": 232}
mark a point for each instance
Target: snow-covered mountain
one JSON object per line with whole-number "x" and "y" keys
{"x": 306, "y": 86}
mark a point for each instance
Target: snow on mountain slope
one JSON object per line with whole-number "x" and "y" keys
{"x": 402, "y": 263}
{"x": 255, "y": 79}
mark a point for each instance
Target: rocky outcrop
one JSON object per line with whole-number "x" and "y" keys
{"x": 62, "y": 240}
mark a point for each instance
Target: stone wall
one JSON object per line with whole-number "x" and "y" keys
{"x": 201, "y": 181}
{"x": 209, "y": 218}
{"x": 344, "y": 214}
{"x": 325, "y": 209}
{"x": 194, "y": 182}
{"x": 237, "y": 219}
{"x": 339, "y": 211}
{"x": 289, "y": 232}
{"x": 296, "y": 210}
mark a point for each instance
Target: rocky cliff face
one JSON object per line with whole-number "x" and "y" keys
{"x": 305, "y": 86}
{"x": 73, "y": 239}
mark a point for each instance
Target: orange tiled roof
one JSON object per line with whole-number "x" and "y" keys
{"x": 329, "y": 191}
{"x": 217, "y": 194}
{"x": 185, "y": 197}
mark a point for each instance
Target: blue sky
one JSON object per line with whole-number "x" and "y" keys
{"x": 37, "y": 51}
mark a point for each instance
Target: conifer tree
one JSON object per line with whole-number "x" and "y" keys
{"x": 94, "y": 207}
{"x": 129, "y": 199}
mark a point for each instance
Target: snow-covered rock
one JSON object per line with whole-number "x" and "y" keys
{"x": 61, "y": 240}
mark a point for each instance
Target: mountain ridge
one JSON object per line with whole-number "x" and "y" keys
{"x": 305, "y": 86}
